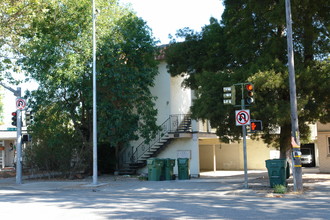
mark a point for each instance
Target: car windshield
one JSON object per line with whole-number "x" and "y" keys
{"x": 306, "y": 151}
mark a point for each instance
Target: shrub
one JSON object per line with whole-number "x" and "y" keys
{"x": 280, "y": 189}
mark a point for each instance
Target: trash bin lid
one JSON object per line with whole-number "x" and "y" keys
{"x": 150, "y": 161}
{"x": 183, "y": 160}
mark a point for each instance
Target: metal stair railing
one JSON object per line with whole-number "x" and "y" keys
{"x": 177, "y": 123}
{"x": 143, "y": 147}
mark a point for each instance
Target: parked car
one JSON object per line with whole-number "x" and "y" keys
{"x": 306, "y": 156}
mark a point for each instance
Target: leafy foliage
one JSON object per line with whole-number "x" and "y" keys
{"x": 249, "y": 45}
{"x": 280, "y": 189}
{"x": 58, "y": 145}
{"x": 57, "y": 53}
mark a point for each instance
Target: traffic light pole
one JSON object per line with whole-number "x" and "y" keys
{"x": 229, "y": 99}
{"x": 246, "y": 185}
{"x": 19, "y": 148}
{"x": 17, "y": 93}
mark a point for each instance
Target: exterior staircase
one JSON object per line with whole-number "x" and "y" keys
{"x": 131, "y": 159}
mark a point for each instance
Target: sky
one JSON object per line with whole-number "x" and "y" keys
{"x": 165, "y": 17}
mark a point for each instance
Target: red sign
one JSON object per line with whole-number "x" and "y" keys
{"x": 20, "y": 104}
{"x": 242, "y": 117}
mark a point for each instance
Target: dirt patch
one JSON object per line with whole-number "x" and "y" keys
{"x": 261, "y": 185}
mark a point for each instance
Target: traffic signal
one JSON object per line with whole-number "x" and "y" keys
{"x": 29, "y": 116}
{"x": 229, "y": 95}
{"x": 14, "y": 119}
{"x": 249, "y": 93}
{"x": 26, "y": 138}
{"x": 256, "y": 125}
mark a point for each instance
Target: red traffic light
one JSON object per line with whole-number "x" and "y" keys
{"x": 249, "y": 87}
{"x": 14, "y": 119}
{"x": 249, "y": 93}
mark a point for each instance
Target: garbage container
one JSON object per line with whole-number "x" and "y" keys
{"x": 287, "y": 170}
{"x": 168, "y": 168}
{"x": 277, "y": 171}
{"x": 183, "y": 168}
{"x": 155, "y": 167}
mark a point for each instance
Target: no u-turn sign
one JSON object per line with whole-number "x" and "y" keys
{"x": 242, "y": 117}
{"x": 20, "y": 104}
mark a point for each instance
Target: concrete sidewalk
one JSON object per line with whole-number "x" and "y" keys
{"x": 230, "y": 181}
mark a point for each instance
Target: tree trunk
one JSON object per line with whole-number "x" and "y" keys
{"x": 117, "y": 156}
{"x": 285, "y": 140}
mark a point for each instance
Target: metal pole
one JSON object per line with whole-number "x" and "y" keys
{"x": 214, "y": 159}
{"x": 19, "y": 143}
{"x": 94, "y": 102}
{"x": 246, "y": 185}
{"x": 297, "y": 170}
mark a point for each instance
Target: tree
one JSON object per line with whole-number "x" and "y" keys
{"x": 57, "y": 54}
{"x": 249, "y": 45}
{"x": 14, "y": 19}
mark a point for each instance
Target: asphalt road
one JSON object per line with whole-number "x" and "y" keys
{"x": 129, "y": 198}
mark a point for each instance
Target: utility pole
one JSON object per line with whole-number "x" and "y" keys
{"x": 19, "y": 159}
{"x": 296, "y": 169}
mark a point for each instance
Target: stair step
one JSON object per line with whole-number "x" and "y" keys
{"x": 126, "y": 171}
{"x": 162, "y": 140}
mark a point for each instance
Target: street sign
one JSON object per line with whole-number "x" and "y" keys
{"x": 20, "y": 104}
{"x": 242, "y": 117}
{"x": 11, "y": 129}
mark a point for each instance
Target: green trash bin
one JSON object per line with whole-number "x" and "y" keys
{"x": 287, "y": 170}
{"x": 277, "y": 172}
{"x": 183, "y": 168}
{"x": 155, "y": 167}
{"x": 168, "y": 169}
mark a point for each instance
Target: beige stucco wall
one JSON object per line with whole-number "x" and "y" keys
{"x": 230, "y": 156}
{"x": 162, "y": 90}
{"x": 172, "y": 98}
{"x": 323, "y": 133}
{"x": 180, "y": 97}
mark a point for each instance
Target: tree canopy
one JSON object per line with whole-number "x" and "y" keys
{"x": 249, "y": 45}
{"x": 56, "y": 50}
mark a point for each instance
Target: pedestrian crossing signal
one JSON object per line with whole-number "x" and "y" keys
{"x": 256, "y": 126}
